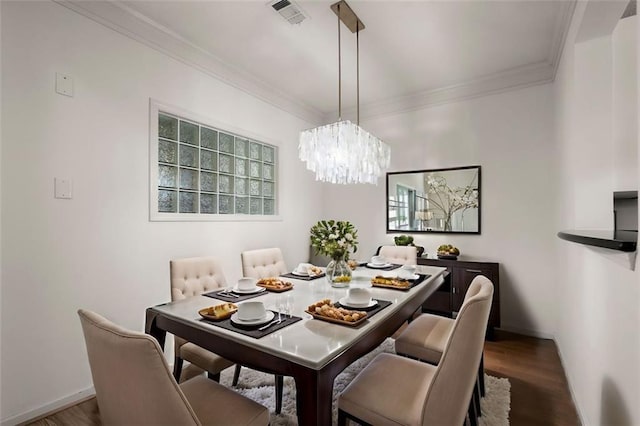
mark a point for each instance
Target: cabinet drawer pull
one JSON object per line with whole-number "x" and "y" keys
{"x": 475, "y": 271}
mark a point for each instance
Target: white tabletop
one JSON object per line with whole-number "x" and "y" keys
{"x": 310, "y": 342}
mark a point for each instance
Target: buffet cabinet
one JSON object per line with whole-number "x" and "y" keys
{"x": 449, "y": 297}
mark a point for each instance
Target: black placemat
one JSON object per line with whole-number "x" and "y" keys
{"x": 228, "y": 298}
{"x": 252, "y": 331}
{"x": 299, "y": 277}
{"x": 370, "y": 311}
{"x": 421, "y": 278}
{"x": 388, "y": 268}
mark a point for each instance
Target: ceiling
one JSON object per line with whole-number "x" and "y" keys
{"x": 412, "y": 53}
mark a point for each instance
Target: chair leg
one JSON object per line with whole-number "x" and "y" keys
{"x": 476, "y": 400}
{"x": 479, "y": 396}
{"x": 236, "y": 375}
{"x": 342, "y": 418}
{"x": 279, "y": 389}
{"x": 214, "y": 377}
{"x": 177, "y": 368}
{"x": 481, "y": 375}
{"x": 473, "y": 418}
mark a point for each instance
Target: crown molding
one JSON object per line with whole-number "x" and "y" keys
{"x": 560, "y": 34}
{"x": 132, "y": 24}
{"x": 515, "y": 78}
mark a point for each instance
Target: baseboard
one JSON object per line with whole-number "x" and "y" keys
{"x": 49, "y": 409}
{"x": 581, "y": 416}
{"x": 528, "y": 332}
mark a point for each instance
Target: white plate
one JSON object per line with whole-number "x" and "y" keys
{"x": 378, "y": 266}
{"x": 413, "y": 278}
{"x": 346, "y": 304}
{"x": 270, "y": 315}
{"x": 256, "y": 289}
{"x": 300, "y": 274}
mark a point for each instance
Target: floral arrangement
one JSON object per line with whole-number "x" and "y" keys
{"x": 334, "y": 238}
{"x": 451, "y": 199}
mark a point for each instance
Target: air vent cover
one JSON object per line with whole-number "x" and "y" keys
{"x": 289, "y": 11}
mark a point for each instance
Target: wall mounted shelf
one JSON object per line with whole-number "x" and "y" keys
{"x": 625, "y": 241}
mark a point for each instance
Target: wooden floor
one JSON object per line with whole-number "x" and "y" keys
{"x": 539, "y": 390}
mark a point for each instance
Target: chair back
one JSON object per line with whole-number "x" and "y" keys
{"x": 195, "y": 275}
{"x": 131, "y": 377}
{"x": 263, "y": 263}
{"x": 450, "y": 392}
{"x": 402, "y": 255}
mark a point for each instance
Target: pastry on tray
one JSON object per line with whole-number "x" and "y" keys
{"x": 275, "y": 284}
{"x": 219, "y": 312}
{"x": 314, "y": 270}
{"x": 390, "y": 282}
{"x": 325, "y": 308}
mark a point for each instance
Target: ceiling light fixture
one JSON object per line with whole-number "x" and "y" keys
{"x": 343, "y": 152}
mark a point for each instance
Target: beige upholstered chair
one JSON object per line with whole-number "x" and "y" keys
{"x": 263, "y": 263}
{"x": 395, "y": 390}
{"x": 401, "y": 255}
{"x": 134, "y": 386}
{"x": 190, "y": 277}
{"x": 426, "y": 337}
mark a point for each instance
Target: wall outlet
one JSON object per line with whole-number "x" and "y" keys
{"x": 64, "y": 84}
{"x": 63, "y": 188}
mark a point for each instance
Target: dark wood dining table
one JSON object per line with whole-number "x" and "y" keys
{"x": 311, "y": 351}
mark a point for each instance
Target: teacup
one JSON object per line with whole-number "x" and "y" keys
{"x": 302, "y": 268}
{"x": 378, "y": 260}
{"x": 407, "y": 271}
{"x": 248, "y": 311}
{"x": 359, "y": 296}
{"x": 247, "y": 283}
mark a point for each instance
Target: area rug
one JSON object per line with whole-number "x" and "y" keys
{"x": 259, "y": 387}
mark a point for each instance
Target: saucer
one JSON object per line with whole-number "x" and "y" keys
{"x": 378, "y": 265}
{"x": 256, "y": 289}
{"x": 300, "y": 274}
{"x": 346, "y": 304}
{"x": 268, "y": 317}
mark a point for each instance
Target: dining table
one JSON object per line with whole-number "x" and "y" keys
{"x": 311, "y": 350}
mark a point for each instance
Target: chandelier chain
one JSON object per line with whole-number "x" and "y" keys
{"x": 339, "y": 71}
{"x": 343, "y": 152}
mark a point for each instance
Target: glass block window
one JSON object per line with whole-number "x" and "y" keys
{"x": 205, "y": 171}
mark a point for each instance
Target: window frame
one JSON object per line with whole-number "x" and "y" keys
{"x": 155, "y": 108}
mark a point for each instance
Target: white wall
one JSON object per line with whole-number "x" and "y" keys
{"x": 510, "y": 135}
{"x": 99, "y": 250}
{"x": 599, "y": 299}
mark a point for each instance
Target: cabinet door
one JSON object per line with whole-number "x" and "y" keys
{"x": 462, "y": 279}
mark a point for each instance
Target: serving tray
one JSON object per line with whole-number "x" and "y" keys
{"x": 337, "y": 321}
{"x": 288, "y": 286}
{"x": 394, "y": 287}
{"x": 204, "y": 313}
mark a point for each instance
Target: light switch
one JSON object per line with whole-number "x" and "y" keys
{"x": 64, "y": 84}
{"x": 63, "y": 188}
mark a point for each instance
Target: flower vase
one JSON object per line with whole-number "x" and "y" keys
{"x": 338, "y": 273}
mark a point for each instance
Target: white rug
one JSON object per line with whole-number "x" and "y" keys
{"x": 259, "y": 387}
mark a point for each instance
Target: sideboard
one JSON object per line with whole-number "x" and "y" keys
{"x": 449, "y": 297}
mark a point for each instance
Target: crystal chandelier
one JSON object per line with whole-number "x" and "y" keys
{"x": 343, "y": 152}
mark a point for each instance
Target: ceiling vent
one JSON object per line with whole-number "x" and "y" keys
{"x": 289, "y": 11}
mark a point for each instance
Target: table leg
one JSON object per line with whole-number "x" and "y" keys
{"x": 151, "y": 328}
{"x": 314, "y": 395}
